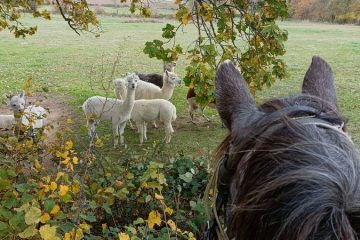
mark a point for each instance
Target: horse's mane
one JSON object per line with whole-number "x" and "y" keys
{"x": 290, "y": 179}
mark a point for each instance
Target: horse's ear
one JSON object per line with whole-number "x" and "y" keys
{"x": 319, "y": 81}
{"x": 233, "y": 99}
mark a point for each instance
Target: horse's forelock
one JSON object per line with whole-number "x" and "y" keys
{"x": 297, "y": 180}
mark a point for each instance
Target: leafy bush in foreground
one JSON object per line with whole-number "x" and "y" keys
{"x": 52, "y": 191}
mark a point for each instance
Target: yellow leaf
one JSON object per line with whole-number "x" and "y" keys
{"x": 123, "y": 236}
{"x": 44, "y": 218}
{"x": 159, "y": 197}
{"x": 29, "y": 143}
{"x": 46, "y": 179}
{"x": 103, "y": 226}
{"x": 75, "y": 188}
{"x": 46, "y": 188}
{"x": 66, "y": 161}
{"x": 59, "y": 175}
{"x": 75, "y": 160}
{"x": 154, "y": 218}
{"x": 53, "y": 186}
{"x": 48, "y": 233}
{"x": 171, "y": 224}
{"x": 79, "y": 234}
{"x": 85, "y": 227}
{"x": 109, "y": 190}
{"x": 71, "y": 167}
{"x": 99, "y": 143}
{"x": 27, "y": 86}
{"x": 70, "y": 121}
{"x": 64, "y": 155}
{"x": 32, "y": 216}
{"x": 55, "y": 210}
{"x": 169, "y": 210}
{"x": 37, "y": 164}
{"x": 68, "y": 145}
{"x": 186, "y": 18}
{"x": 63, "y": 190}
{"x": 67, "y": 236}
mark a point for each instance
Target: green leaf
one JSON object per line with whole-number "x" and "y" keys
{"x": 17, "y": 222}
{"x": 9, "y": 203}
{"x": 5, "y": 213}
{"x": 107, "y": 208}
{"x": 22, "y": 187}
{"x": 4, "y": 184}
{"x": 28, "y": 232}
{"x": 90, "y": 217}
{"x": 49, "y": 205}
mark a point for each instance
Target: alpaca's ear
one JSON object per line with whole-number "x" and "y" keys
{"x": 319, "y": 81}
{"x": 22, "y": 94}
{"x": 167, "y": 72}
{"x": 8, "y": 99}
{"x": 233, "y": 99}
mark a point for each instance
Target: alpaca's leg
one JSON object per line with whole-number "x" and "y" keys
{"x": 115, "y": 129}
{"x": 168, "y": 131}
{"x": 192, "y": 107}
{"x": 140, "y": 130}
{"x": 145, "y": 130}
{"x": 203, "y": 114}
{"x": 154, "y": 123}
{"x": 121, "y": 131}
{"x": 131, "y": 125}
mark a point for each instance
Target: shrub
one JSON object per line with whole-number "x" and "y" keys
{"x": 56, "y": 192}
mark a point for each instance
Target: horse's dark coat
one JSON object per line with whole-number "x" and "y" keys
{"x": 292, "y": 174}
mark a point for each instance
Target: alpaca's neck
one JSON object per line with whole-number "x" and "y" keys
{"x": 167, "y": 90}
{"x": 130, "y": 99}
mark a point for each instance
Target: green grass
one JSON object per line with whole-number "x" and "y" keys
{"x": 68, "y": 64}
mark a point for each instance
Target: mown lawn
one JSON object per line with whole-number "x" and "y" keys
{"x": 75, "y": 66}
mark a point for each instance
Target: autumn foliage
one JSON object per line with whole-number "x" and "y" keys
{"x": 340, "y": 11}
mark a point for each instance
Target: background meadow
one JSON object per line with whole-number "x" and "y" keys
{"x": 68, "y": 68}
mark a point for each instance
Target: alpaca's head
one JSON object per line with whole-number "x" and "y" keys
{"x": 17, "y": 102}
{"x": 169, "y": 66}
{"x": 132, "y": 80}
{"x": 171, "y": 78}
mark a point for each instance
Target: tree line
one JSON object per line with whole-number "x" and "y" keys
{"x": 337, "y": 11}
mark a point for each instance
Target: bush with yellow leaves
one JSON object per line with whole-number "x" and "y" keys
{"x": 52, "y": 191}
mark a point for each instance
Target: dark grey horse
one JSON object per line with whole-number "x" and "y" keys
{"x": 288, "y": 170}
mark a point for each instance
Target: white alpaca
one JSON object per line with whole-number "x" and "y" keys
{"x": 147, "y": 90}
{"x": 100, "y": 108}
{"x": 32, "y": 116}
{"x": 7, "y": 122}
{"x": 145, "y": 111}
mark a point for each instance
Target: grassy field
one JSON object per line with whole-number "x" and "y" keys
{"x": 74, "y": 67}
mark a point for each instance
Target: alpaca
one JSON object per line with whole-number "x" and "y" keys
{"x": 7, "y": 122}
{"x": 145, "y": 111}
{"x": 193, "y": 105}
{"x": 118, "y": 111}
{"x": 34, "y": 117}
{"x": 147, "y": 90}
{"x": 157, "y": 79}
